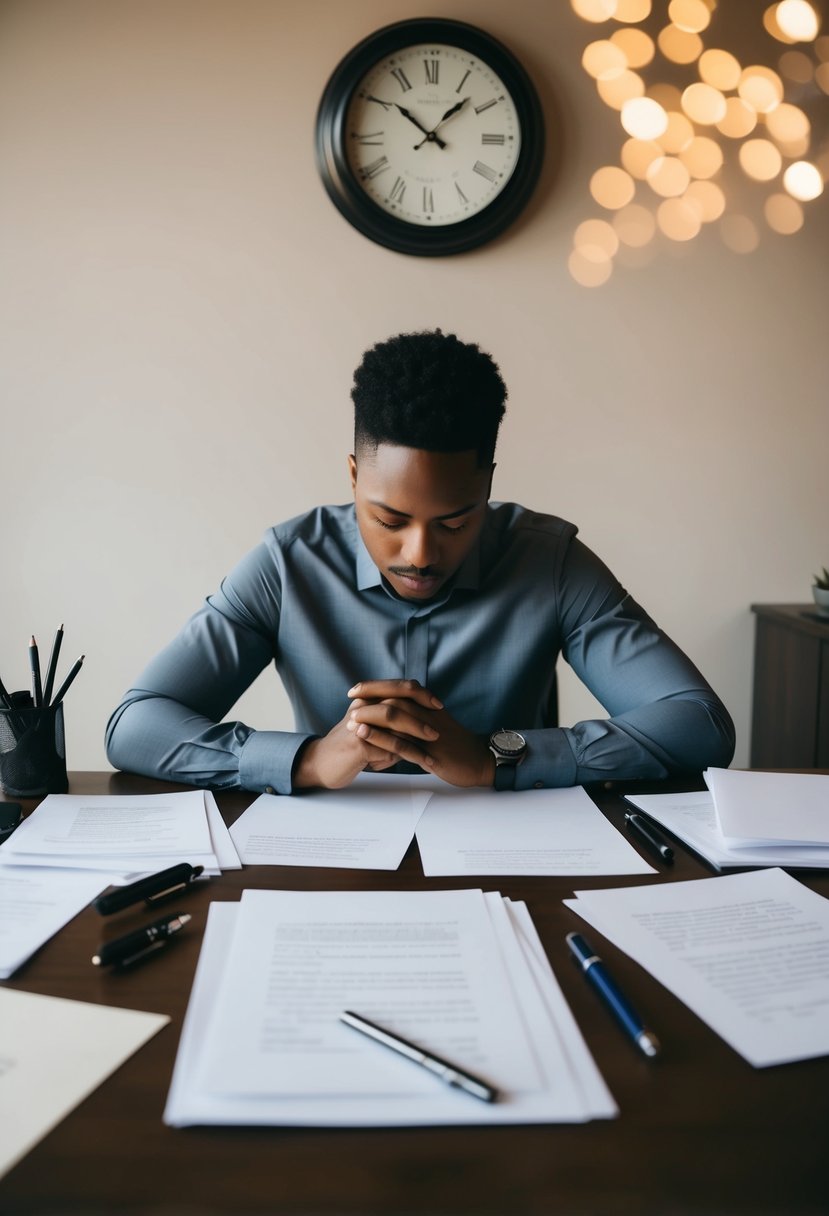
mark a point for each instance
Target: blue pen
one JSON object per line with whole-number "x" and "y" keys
{"x": 597, "y": 974}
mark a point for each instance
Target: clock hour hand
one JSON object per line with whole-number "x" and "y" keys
{"x": 452, "y": 110}
{"x": 428, "y": 134}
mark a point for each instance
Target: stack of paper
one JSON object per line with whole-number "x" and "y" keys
{"x": 460, "y": 973}
{"x": 749, "y": 819}
{"x": 748, "y": 953}
{"x": 123, "y": 834}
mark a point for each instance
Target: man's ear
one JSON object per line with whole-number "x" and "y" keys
{"x": 352, "y": 469}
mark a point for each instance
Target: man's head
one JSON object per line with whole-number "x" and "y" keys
{"x": 429, "y": 391}
{"x": 427, "y": 412}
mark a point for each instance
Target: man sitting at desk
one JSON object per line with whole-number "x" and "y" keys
{"x": 420, "y": 626}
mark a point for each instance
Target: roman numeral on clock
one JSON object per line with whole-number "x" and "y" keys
{"x": 432, "y": 68}
{"x": 401, "y": 78}
{"x": 493, "y": 139}
{"x": 397, "y": 191}
{"x": 377, "y": 166}
{"x": 484, "y": 170}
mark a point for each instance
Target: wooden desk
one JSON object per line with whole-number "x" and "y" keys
{"x": 699, "y": 1131}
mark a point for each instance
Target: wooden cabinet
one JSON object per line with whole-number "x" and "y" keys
{"x": 790, "y": 715}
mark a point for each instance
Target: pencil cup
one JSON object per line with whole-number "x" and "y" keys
{"x": 32, "y": 752}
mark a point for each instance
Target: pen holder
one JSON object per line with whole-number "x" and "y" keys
{"x": 32, "y": 752}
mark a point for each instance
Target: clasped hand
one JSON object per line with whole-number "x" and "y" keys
{"x": 392, "y": 720}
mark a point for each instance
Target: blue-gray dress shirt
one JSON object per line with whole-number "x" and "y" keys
{"x": 310, "y": 600}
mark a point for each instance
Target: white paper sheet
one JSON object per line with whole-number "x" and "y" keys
{"x": 35, "y": 904}
{"x": 531, "y": 832}
{"x": 389, "y": 1091}
{"x": 770, "y": 808}
{"x": 748, "y": 953}
{"x": 693, "y": 820}
{"x": 369, "y": 825}
{"x": 53, "y": 1053}
{"x": 124, "y": 833}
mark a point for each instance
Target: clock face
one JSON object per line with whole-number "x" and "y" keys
{"x": 433, "y": 135}
{"x": 429, "y": 137}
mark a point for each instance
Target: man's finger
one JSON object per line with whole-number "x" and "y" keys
{"x": 411, "y": 690}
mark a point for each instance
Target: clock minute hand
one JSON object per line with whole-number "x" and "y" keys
{"x": 429, "y": 135}
{"x": 452, "y": 110}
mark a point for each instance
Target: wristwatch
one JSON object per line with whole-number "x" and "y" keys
{"x": 509, "y": 749}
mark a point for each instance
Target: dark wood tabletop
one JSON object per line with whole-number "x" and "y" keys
{"x": 699, "y": 1129}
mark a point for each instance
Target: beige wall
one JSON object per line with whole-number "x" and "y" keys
{"x": 181, "y": 308}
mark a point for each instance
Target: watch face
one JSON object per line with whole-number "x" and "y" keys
{"x": 433, "y": 135}
{"x": 509, "y": 742}
{"x": 429, "y": 137}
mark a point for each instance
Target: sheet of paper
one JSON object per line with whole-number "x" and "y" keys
{"x": 693, "y": 820}
{"x": 770, "y": 808}
{"x": 53, "y": 1053}
{"x": 748, "y": 953}
{"x": 35, "y": 904}
{"x": 127, "y": 834}
{"x": 125, "y": 825}
{"x": 403, "y": 1099}
{"x": 221, "y": 841}
{"x": 369, "y": 825}
{"x": 532, "y": 832}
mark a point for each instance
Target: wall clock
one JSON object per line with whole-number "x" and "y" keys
{"x": 429, "y": 137}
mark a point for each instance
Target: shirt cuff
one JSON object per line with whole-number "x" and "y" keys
{"x": 266, "y": 761}
{"x": 550, "y": 762}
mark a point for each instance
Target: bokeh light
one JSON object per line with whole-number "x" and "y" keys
{"x": 739, "y": 233}
{"x": 638, "y": 154}
{"x": 783, "y": 213}
{"x": 594, "y": 10}
{"x": 644, "y": 118}
{"x": 803, "y": 181}
{"x": 703, "y": 104}
{"x": 634, "y": 225}
{"x": 720, "y": 69}
{"x": 760, "y": 159}
{"x": 586, "y": 272}
{"x": 690, "y": 16}
{"x": 612, "y": 187}
{"x": 707, "y": 199}
{"x": 798, "y": 20}
{"x": 739, "y": 120}
{"x": 619, "y": 89}
{"x": 597, "y": 240}
{"x": 761, "y": 88}
{"x": 703, "y": 157}
{"x": 636, "y": 46}
{"x": 633, "y": 11}
{"x": 678, "y": 45}
{"x": 603, "y": 60}
{"x": 678, "y": 219}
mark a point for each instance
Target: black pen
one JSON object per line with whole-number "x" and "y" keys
{"x": 133, "y": 946}
{"x": 172, "y": 881}
{"x": 61, "y": 693}
{"x": 34, "y": 663}
{"x": 650, "y": 836}
{"x": 53, "y": 666}
{"x": 5, "y": 698}
{"x": 597, "y": 974}
{"x": 450, "y": 1074}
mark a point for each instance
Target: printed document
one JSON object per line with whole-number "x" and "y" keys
{"x": 369, "y": 825}
{"x": 119, "y": 833}
{"x": 559, "y": 831}
{"x": 452, "y": 971}
{"x": 53, "y": 1054}
{"x": 35, "y": 903}
{"x": 748, "y": 953}
{"x": 770, "y": 808}
{"x": 693, "y": 820}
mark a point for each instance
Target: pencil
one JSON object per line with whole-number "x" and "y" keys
{"x": 53, "y": 665}
{"x": 61, "y": 693}
{"x": 34, "y": 663}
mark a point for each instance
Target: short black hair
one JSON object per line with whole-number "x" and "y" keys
{"x": 430, "y": 391}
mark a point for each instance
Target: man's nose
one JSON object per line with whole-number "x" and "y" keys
{"x": 419, "y": 548}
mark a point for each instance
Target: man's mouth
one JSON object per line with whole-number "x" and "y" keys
{"x": 419, "y": 582}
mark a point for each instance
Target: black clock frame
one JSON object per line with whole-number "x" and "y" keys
{"x": 331, "y": 137}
